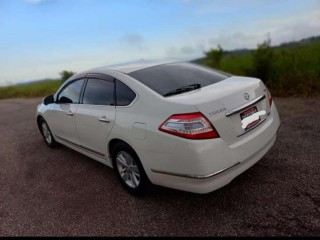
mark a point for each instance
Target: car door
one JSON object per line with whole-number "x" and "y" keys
{"x": 95, "y": 116}
{"x": 60, "y": 116}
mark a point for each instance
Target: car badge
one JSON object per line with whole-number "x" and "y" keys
{"x": 246, "y": 96}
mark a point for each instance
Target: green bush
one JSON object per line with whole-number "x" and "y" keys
{"x": 214, "y": 57}
{"x": 65, "y": 75}
{"x": 263, "y": 58}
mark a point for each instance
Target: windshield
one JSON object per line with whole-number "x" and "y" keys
{"x": 169, "y": 77}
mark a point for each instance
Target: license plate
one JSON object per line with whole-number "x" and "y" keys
{"x": 248, "y": 113}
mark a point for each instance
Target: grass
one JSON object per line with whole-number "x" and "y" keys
{"x": 36, "y": 89}
{"x": 293, "y": 69}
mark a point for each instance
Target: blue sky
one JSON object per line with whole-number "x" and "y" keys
{"x": 40, "y": 38}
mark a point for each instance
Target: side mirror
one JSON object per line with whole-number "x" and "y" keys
{"x": 48, "y": 100}
{"x": 65, "y": 100}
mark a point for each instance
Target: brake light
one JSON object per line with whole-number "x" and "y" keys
{"x": 190, "y": 125}
{"x": 270, "y": 97}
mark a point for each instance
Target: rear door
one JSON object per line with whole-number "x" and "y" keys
{"x": 95, "y": 116}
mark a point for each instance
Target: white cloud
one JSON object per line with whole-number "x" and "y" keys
{"x": 293, "y": 28}
{"x": 191, "y": 43}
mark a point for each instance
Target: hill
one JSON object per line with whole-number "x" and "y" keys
{"x": 290, "y": 69}
{"x": 244, "y": 51}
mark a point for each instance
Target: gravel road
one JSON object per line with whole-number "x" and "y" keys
{"x": 45, "y": 192}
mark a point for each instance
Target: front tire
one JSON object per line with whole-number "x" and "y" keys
{"x": 47, "y": 135}
{"x": 129, "y": 169}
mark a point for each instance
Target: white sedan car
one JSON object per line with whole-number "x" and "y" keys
{"x": 177, "y": 125}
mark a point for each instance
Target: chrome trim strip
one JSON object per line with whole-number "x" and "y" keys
{"x": 246, "y": 105}
{"x": 195, "y": 176}
{"x": 84, "y": 148}
{"x": 244, "y": 132}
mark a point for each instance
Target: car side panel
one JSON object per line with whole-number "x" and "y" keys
{"x": 60, "y": 118}
{"x": 92, "y": 132}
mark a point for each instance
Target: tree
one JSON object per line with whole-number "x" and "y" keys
{"x": 263, "y": 61}
{"x": 214, "y": 56}
{"x": 66, "y": 75}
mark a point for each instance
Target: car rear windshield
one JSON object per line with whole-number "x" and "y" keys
{"x": 169, "y": 77}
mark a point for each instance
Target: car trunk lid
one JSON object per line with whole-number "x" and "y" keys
{"x": 227, "y": 103}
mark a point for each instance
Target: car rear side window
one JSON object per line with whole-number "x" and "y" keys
{"x": 99, "y": 92}
{"x": 124, "y": 94}
{"x": 166, "y": 78}
{"x": 71, "y": 93}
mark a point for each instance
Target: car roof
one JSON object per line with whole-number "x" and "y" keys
{"x": 127, "y": 67}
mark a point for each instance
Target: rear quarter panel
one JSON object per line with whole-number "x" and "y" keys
{"x": 148, "y": 111}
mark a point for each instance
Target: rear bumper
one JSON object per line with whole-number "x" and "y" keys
{"x": 204, "y": 166}
{"x": 218, "y": 180}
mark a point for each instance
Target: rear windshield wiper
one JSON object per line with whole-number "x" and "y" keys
{"x": 183, "y": 89}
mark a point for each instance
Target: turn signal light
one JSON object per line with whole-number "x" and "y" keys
{"x": 190, "y": 126}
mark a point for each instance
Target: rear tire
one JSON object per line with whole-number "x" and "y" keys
{"x": 129, "y": 170}
{"x": 46, "y": 133}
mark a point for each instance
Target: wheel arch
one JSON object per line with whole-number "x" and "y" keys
{"x": 113, "y": 142}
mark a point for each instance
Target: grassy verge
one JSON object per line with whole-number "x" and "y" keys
{"x": 292, "y": 70}
{"x": 37, "y": 89}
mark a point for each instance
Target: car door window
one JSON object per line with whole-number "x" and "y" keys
{"x": 71, "y": 93}
{"x": 124, "y": 94}
{"x": 99, "y": 92}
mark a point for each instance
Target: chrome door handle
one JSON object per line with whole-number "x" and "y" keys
{"x": 104, "y": 119}
{"x": 69, "y": 113}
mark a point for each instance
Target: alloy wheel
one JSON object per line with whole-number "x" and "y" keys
{"x": 46, "y": 133}
{"x": 128, "y": 169}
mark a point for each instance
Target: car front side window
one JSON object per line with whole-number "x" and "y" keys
{"x": 71, "y": 93}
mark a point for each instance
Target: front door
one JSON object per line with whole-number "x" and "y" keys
{"x": 61, "y": 114}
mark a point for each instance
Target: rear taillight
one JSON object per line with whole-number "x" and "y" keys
{"x": 189, "y": 125}
{"x": 270, "y": 97}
